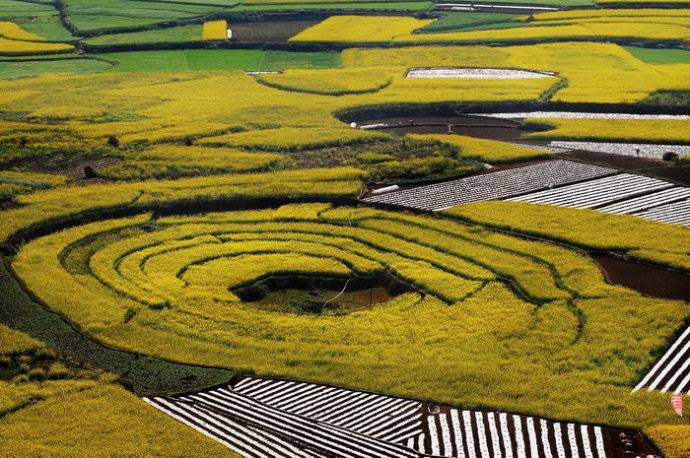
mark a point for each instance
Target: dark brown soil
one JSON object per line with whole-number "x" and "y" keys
{"x": 496, "y": 129}
{"x": 613, "y": 160}
{"x": 648, "y": 280}
{"x": 268, "y": 32}
{"x": 680, "y": 175}
{"x": 73, "y": 169}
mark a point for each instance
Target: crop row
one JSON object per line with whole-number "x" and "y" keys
{"x": 622, "y": 194}
{"x": 497, "y": 185}
{"x": 255, "y": 417}
{"x": 672, "y": 370}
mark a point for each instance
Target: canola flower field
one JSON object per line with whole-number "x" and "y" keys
{"x": 164, "y": 201}
{"x": 158, "y": 290}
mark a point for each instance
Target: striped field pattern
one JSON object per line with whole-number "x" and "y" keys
{"x": 671, "y": 373}
{"x": 673, "y": 213}
{"x": 596, "y": 193}
{"x": 625, "y": 193}
{"x": 480, "y": 434}
{"x": 491, "y": 186}
{"x": 277, "y": 418}
{"x": 559, "y": 182}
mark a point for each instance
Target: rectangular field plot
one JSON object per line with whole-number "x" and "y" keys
{"x": 649, "y": 201}
{"x": 492, "y": 186}
{"x": 596, "y": 193}
{"x": 672, "y": 372}
{"x": 643, "y": 150}
{"x": 673, "y": 213}
{"x": 277, "y": 418}
{"x": 474, "y": 73}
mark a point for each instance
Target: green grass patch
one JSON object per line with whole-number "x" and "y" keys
{"x": 90, "y": 15}
{"x": 20, "y": 69}
{"x": 455, "y": 21}
{"x": 168, "y": 35}
{"x": 218, "y": 59}
{"x": 660, "y": 56}
{"x": 13, "y": 9}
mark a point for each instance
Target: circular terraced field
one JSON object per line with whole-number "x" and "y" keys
{"x": 472, "y": 300}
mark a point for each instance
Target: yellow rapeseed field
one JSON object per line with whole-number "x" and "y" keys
{"x": 651, "y": 24}
{"x": 595, "y": 72}
{"x": 498, "y": 308}
{"x": 215, "y": 30}
{"x": 673, "y": 440}
{"x": 648, "y": 130}
{"x": 658, "y": 242}
{"x": 358, "y": 29}
{"x": 12, "y": 31}
{"x": 486, "y": 150}
{"x": 15, "y": 40}
{"x": 89, "y": 413}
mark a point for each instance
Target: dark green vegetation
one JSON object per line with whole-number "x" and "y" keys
{"x": 660, "y": 55}
{"x": 669, "y": 98}
{"x": 143, "y": 374}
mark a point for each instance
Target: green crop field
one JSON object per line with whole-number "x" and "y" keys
{"x": 660, "y": 56}
{"x": 212, "y": 60}
{"x": 347, "y": 229}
